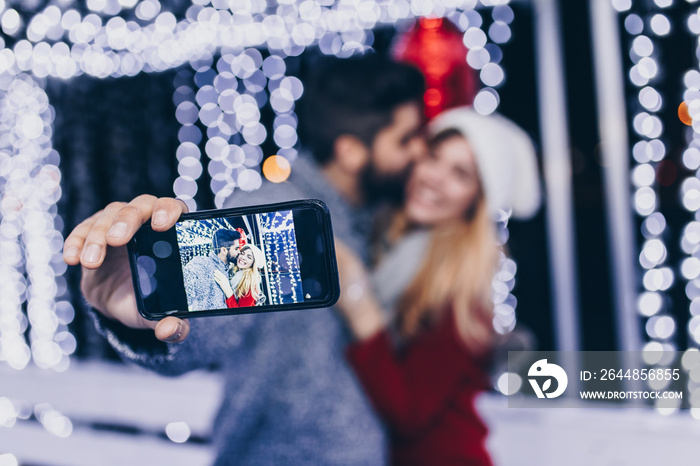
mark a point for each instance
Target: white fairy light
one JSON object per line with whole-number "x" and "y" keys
{"x": 146, "y": 38}
{"x": 690, "y": 195}
{"x": 31, "y": 266}
{"x": 648, "y": 151}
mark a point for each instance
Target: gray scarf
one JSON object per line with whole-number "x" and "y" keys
{"x": 236, "y": 279}
{"x": 398, "y": 268}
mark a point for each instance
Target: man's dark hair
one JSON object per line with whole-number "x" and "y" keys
{"x": 224, "y": 238}
{"x": 355, "y": 96}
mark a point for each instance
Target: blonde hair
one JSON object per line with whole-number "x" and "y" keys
{"x": 455, "y": 277}
{"x": 251, "y": 281}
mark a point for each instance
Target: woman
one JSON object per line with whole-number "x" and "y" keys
{"x": 425, "y": 332}
{"x": 244, "y": 288}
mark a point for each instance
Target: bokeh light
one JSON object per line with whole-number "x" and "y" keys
{"x": 276, "y": 169}
{"x": 689, "y": 115}
{"x": 683, "y": 114}
{"x": 31, "y": 264}
{"x": 653, "y": 170}
{"x": 178, "y": 432}
{"x": 509, "y": 383}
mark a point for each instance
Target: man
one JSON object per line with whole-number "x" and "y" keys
{"x": 290, "y": 397}
{"x": 202, "y": 291}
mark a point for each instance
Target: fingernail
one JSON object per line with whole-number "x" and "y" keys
{"x": 118, "y": 230}
{"x": 71, "y": 252}
{"x": 175, "y": 336}
{"x": 160, "y": 217}
{"x": 92, "y": 253}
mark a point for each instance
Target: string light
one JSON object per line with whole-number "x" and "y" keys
{"x": 689, "y": 114}
{"x": 228, "y": 101}
{"x": 63, "y": 43}
{"x": 31, "y": 264}
{"x": 649, "y": 152}
{"x": 188, "y": 154}
{"x": 504, "y": 302}
{"x": 283, "y": 271}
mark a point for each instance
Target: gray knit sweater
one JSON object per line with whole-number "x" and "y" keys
{"x": 201, "y": 290}
{"x": 290, "y": 396}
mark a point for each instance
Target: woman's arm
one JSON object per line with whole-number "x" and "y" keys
{"x": 231, "y": 302}
{"x": 244, "y": 301}
{"x": 222, "y": 280}
{"x": 410, "y": 392}
{"x": 357, "y": 303}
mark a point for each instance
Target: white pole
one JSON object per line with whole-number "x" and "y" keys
{"x": 614, "y": 146}
{"x": 557, "y": 174}
{"x": 612, "y": 125}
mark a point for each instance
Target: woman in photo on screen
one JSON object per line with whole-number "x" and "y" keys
{"x": 244, "y": 289}
{"x": 423, "y": 319}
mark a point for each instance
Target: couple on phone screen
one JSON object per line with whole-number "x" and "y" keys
{"x": 390, "y": 374}
{"x": 233, "y": 267}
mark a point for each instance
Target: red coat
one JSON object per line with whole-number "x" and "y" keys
{"x": 244, "y": 301}
{"x": 425, "y": 396}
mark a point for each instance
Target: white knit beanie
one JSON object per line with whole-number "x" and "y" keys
{"x": 505, "y": 158}
{"x": 258, "y": 255}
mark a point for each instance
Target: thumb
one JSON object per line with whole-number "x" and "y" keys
{"x": 172, "y": 330}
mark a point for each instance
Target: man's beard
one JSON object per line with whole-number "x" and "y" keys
{"x": 231, "y": 258}
{"x": 384, "y": 188}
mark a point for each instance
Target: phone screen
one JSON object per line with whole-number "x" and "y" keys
{"x": 257, "y": 259}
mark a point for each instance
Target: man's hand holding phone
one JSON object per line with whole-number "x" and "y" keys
{"x": 151, "y": 265}
{"x": 98, "y": 244}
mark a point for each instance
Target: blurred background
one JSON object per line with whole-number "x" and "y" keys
{"x": 102, "y": 100}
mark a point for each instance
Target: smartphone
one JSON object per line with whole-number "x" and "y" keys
{"x": 264, "y": 258}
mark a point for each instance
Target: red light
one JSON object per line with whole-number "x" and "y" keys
{"x": 432, "y": 97}
{"x": 431, "y": 23}
{"x": 436, "y": 48}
